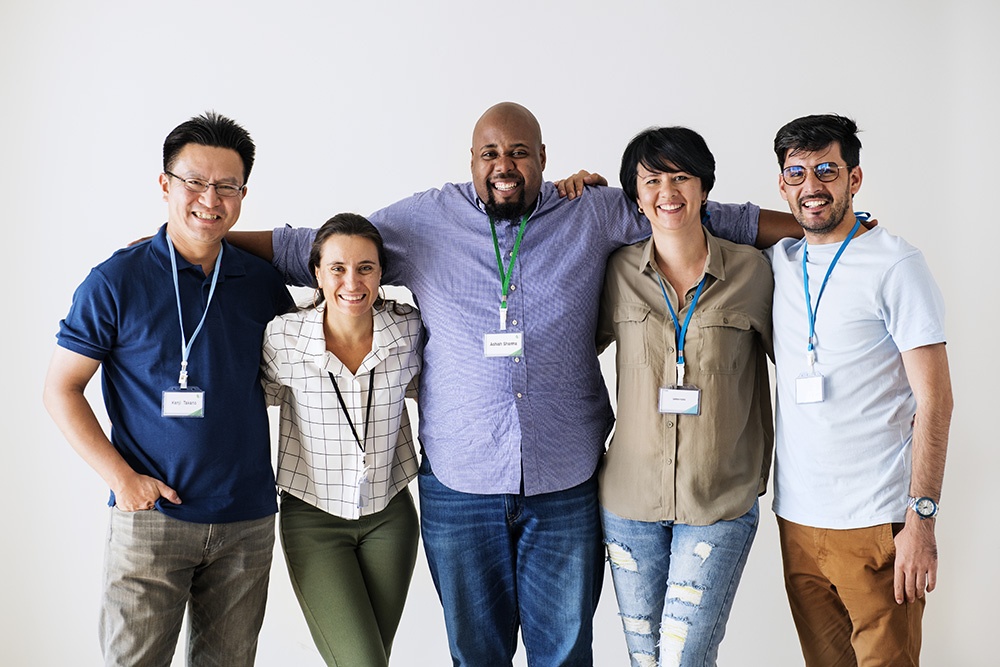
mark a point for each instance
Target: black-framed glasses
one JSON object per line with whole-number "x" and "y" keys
{"x": 825, "y": 171}
{"x": 200, "y": 186}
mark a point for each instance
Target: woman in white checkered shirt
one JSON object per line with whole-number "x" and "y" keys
{"x": 340, "y": 369}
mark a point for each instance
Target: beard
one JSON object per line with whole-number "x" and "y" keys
{"x": 510, "y": 210}
{"x": 837, "y": 213}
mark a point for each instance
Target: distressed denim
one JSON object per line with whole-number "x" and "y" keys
{"x": 155, "y": 567}
{"x": 675, "y": 585}
{"x": 500, "y": 561}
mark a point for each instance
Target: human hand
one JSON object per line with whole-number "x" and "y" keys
{"x": 572, "y": 187}
{"x": 915, "y": 570}
{"x": 140, "y": 492}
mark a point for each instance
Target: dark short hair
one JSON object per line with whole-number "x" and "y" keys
{"x": 813, "y": 133}
{"x": 667, "y": 150}
{"x": 210, "y": 129}
{"x": 345, "y": 224}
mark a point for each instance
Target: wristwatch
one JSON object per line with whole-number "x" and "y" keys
{"x": 925, "y": 507}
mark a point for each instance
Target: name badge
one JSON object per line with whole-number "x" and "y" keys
{"x": 179, "y": 402}
{"x": 684, "y": 400}
{"x": 504, "y": 344}
{"x": 809, "y": 388}
{"x": 364, "y": 489}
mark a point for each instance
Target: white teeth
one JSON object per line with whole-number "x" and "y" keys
{"x": 505, "y": 187}
{"x": 813, "y": 203}
{"x": 671, "y": 207}
{"x": 205, "y": 216}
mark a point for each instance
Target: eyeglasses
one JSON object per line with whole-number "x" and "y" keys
{"x": 825, "y": 171}
{"x": 199, "y": 186}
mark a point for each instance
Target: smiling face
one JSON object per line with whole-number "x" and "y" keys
{"x": 508, "y": 157}
{"x": 670, "y": 200}
{"x": 825, "y": 210}
{"x": 197, "y": 222}
{"x": 349, "y": 275}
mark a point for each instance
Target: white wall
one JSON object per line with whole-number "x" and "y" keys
{"x": 354, "y": 106}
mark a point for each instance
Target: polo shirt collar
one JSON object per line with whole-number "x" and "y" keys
{"x": 233, "y": 263}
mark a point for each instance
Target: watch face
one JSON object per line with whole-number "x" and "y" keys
{"x": 925, "y": 507}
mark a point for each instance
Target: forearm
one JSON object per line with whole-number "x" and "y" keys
{"x": 258, "y": 243}
{"x": 772, "y": 226}
{"x": 73, "y": 415}
{"x": 932, "y": 421}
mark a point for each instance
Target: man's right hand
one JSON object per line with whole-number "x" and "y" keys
{"x": 140, "y": 492}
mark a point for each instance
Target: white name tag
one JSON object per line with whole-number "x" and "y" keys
{"x": 188, "y": 402}
{"x": 680, "y": 401}
{"x": 504, "y": 344}
{"x": 809, "y": 388}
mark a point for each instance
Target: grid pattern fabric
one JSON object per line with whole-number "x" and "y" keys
{"x": 319, "y": 460}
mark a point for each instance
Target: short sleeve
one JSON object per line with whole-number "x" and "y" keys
{"x": 91, "y": 326}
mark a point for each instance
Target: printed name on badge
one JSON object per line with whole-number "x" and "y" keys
{"x": 504, "y": 344}
{"x": 187, "y": 403}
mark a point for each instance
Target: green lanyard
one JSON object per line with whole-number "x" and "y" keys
{"x": 505, "y": 276}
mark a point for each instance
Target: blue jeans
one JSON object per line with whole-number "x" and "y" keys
{"x": 155, "y": 567}
{"x": 675, "y": 585}
{"x": 506, "y": 560}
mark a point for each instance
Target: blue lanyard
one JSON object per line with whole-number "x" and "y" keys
{"x": 185, "y": 343}
{"x": 810, "y": 311}
{"x": 680, "y": 330}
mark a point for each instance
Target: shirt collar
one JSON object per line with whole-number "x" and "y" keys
{"x": 715, "y": 265}
{"x": 386, "y": 337}
{"x": 233, "y": 263}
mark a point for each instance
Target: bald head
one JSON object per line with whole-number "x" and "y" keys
{"x": 508, "y": 158}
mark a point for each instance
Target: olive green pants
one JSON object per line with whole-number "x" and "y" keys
{"x": 351, "y": 576}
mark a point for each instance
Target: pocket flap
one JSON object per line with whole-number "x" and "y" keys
{"x": 630, "y": 312}
{"x": 723, "y": 318}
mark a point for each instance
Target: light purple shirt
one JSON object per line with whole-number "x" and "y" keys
{"x": 489, "y": 424}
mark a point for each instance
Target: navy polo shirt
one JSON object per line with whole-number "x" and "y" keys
{"x": 125, "y": 316}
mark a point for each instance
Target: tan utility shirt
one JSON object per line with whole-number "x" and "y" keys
{"x": 690, "y": 469}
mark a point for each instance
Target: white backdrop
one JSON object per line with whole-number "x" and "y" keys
{"x": 354, "y": 106}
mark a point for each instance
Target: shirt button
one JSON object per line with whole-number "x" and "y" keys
{"x": 513, "y": 287}
{"x": 670, "y": 349}
{"x": 670, "y": 424}
{"x": 517, "y": 360}
{"x": 518, "y": 394}
{"x": 725, "y": 320}
{"x": 670, "y": 461}
{"x": 513, "y": 321}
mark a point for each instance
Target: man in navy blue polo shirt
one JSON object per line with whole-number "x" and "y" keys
{"x": 175, "y": 323}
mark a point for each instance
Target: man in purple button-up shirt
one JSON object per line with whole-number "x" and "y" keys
{"x": 511, "y": 443}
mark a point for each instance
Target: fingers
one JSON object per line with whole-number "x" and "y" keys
{"x": 561, "y": 187}
{"x": 168, "y": 493}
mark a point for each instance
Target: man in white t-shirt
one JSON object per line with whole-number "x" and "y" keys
{"x": 864, "y": 407}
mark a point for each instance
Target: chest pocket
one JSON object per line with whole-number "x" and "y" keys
{"x": 726, "y": 340}
{"x": 631, "y": 321}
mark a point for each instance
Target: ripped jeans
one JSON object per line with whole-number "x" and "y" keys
{"x": 675, "y": 585}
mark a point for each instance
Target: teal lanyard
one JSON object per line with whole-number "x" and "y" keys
{"x": 680, "y": 330}
{"x": 185, "y": 343}
{"x": 811, "y": 312}
{"x": 505, "y": 276}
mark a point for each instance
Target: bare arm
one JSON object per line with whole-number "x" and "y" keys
{"x": 772, "y": 226}
{"x": 68, "y": 376}
{"x": 258, "y": 243}
{"x": 916, "y": 545}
